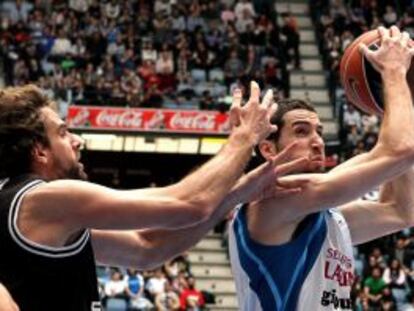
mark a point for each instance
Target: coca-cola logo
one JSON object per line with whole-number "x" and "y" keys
{"x": 156, "y": 122}
{"x": 122, "y": 119}
{"x": 199, "y": 121}
{"x": 225, "y": 127}
{"x": 149, "y": 120}
{"x": 81, "y": 118}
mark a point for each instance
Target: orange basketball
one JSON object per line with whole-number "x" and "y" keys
{"x": 362, "y": 83}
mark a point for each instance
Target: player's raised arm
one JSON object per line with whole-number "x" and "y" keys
{"x": 393, "y": 154}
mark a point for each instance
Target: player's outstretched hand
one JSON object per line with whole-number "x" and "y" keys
{"x": 253, "y": 118}
{"x": 394, "y": 53}
{"x": 261, "y": 183}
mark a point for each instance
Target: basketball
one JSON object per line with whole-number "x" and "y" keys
{"x": 362, "y": 83}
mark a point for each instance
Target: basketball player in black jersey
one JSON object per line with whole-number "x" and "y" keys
{"x": 53, "y": 225}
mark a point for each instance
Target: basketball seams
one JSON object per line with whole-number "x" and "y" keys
{"x": 353, "y": 75}
{"x": 374, "y": 102}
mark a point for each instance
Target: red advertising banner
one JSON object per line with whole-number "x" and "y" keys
{"x": 151, "y": 120}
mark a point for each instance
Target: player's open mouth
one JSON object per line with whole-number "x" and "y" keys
{"x": 317, "y": 159}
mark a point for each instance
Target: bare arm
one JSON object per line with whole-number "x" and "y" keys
{"x": 68, "y": 206}
{"x": 393, "y": 212}
{"x": 275, "y": 222}
{"x": 395, "y": 209}
{"x": 146, "y": 249}
{"x": 6, "y": 301}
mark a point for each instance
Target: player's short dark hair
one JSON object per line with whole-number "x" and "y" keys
{"x": 21, "y": 127}
{"x": 284, "y": 106}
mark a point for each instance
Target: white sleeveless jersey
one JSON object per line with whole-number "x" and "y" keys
{"x": 314, "y": 271}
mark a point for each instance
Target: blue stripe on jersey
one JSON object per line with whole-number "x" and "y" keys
{"x": 269, "y": 293}
{"x": 277, "y": 273}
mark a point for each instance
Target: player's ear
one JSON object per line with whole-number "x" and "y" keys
{"x": 267, "y": 149}
{"x": 39, "y": 154}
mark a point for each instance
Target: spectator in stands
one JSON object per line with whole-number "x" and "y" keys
{"x": 194, "y": 20}
{"x": 131, "y": 85}
{"x": 370, "y": 123}
{"x": 163, "y": 6}
{"x": 167, "y": 300}
{"x": 161, "y": 24}
{"x": 227, "y": 14}
{"x": 390, "y": 16}
{"x": 271, "y": 74}
{"x": 61, "y": 46}
{"x": 233, "y": 68}
{"x": 373, "y": 288}
{"x": 115, "y": 287}
{"x": 180, "y": 282}
{"x": 291, "y": 37}
{"x": 243, "y": 8}
{"x": 388, "y": 302}
{"x": 409, "y": 306}
{"x": 357, "y": 295}
{"x": 135, "y": 291}
{"x": 207, "y": 102}
{"x": 360, "y": 148}
{"x": 400, "y": 250}
{"x": 394, "y": 275}
{"x": 353, "y": 138}
{"x": 17, "y": 10}
{"x": 79, "y": 6}
{"x": 191, "y": 299}
{"x": 164, "y": 64}
{"x": 172, "y": 268}
{"x": 379, "y": 257}
{"x": 112, "y": 9}
{"x": 156, "y": 284}
{"x": 79, "y": 32}
{"x": 253, "y": 61}
{"x": 352, "y": 117}
{"x": 245, "y": 22}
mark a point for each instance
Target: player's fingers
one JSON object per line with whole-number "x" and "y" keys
{"x": 279, "y": 192}
{"x": 236, "y": 99}
{"x": 297, "y": 165}
{"x": 369, "y": 55}
{"x": 272, "y": 110}
{"x": 365, "y": 50}
{"x": 283, "y": 192}
{"x": 273, "y": 128}
{"x": 235, "y": 108}
{"x": 383, "y": 33}
{"x": 235, "y": 115}
{"x": 268, "y": 99}
{"x": 405, "y": 38}
{"x": 394, "y": 32}
{"x": 285, "y": 154}
{"x": 299, "y": 181}
{"x": 254, "y": 93}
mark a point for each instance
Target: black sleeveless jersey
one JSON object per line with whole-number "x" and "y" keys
{"x": 39, "y": 277}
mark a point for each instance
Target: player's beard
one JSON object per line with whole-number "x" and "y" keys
{"x": 76, "y": 171}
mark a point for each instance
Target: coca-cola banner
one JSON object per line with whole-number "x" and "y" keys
{"x": 136, "y": 119}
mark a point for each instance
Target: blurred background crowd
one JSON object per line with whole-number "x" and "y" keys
{"x": 175, "y": 54}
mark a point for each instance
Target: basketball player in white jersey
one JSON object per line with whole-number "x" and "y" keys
{"x": 295, "y": 252}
